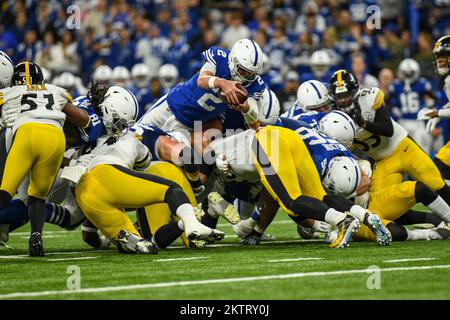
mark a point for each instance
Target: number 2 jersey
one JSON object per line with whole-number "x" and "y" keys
{"x": 37, "y": 103}
{"x": 375, "y": 146}
{"x": 190, "y": 103}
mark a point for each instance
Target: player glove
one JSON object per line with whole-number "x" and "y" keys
{"x": 355, "y": 114}
{"x": 252, "y": 239}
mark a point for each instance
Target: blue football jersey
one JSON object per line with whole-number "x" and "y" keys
{"x": 406, "y": 102}
{"x": 96, "y": 129}
{"x": 321, "y": 148}
{"x": 149, "y": 134}
{"x": 311, "y": 117}
{"x": 190, "y": 103}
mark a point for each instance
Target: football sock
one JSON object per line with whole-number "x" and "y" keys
{"x": 333, "y": 216}
{"x": 36, "y": 213}
{"x": 440, "y": 208}
{"x": 167, "y": 234}
{"x": 16, "y": 210}
{"x": 5, "y": 198}
{"x": 419, "y": 234}
{"x": 416, "y": 217}
{"x": 358, "y": 212}
{"x": 57, "y": 214}
{"x": 399, "y": 233}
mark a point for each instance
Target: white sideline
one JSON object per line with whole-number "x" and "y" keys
{"x": 411, "y": 259}
{"x": 79, "y": 258}
{"x": 295, "y": 259}
{"x": 180, "y": 259}
{"x": 211, "y": 281}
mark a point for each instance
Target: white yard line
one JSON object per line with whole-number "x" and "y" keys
{"x": 411, "y": 259}
{"x": 211, "y": 281}
{"x": 45, "y": 232}
{"x": 66, "y": 259}
{"x": 273, "y": 222}
{"x": 220, "y": 245}
{"x": 47, "y": 254}
{"x": 180, "y": 259}
{"x": 294, "y": 259}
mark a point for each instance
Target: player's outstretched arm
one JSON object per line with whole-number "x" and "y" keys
{"x": 77, "y": 116}
{"x": 382, "y": 124}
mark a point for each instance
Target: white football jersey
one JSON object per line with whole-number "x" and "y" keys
{"x": 373, "y": 145}
{"x": 447, "y": 87}
{"x": 128, "y": 151}
{"x": 237, "y": 149}
{"x": 36, "y": 103}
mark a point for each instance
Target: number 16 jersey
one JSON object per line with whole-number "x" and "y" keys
{"x": 36, "y": 103}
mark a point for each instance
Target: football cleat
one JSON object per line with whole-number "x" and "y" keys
{"x": 346, "y": 228}
{"x": 268, "y": 237}
{"x": 4, "y": 232}
{"x": 373, "y": 221}
{"x": 199, "y": 213}
{"x": 305, "y": 232}
{"x": 244, "y": 227}
{"x": 443, "y": 231}
{"x": 131, "y": 243}
{"x": 35, "y": 245}
{"x": 218, "y": 206}
{"x": 201, "y": 232}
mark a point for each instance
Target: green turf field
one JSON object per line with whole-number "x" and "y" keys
{"x": 286, "y": 269}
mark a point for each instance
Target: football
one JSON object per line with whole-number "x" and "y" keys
{"x": 241, "y": 98}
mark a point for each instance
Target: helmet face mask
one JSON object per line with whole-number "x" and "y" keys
{"x": 117, "y": 125}
{"x": 441, "y": 56}
{"x": 344, "y": 89}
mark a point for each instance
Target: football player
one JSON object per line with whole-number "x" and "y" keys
{"x": 384, "y": 140}
{"x": 410, "y": 93}
{"x": 106, "y": 183}
{"x": 441, "y": 56}
{"x": 199, "y": 98}
{"x": 279, "y": 158}
{"x": 40, "y": 112}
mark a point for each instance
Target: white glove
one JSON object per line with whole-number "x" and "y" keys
{"x": 421, "y": 115}
{"x": 431, "y": 125}
{"x": 222, "y": 165}
{"x": 9, "y": 116}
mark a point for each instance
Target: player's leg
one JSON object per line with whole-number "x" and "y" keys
{"x": 47, "y": 161}
{"x": 443, "y": 169}
{"x": 276, "y": 166}
{"x": 419, "y": 165}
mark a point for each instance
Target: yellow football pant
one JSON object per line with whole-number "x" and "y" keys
{"x": 444, "y": 154}
{"x": 37, "y": 149}
{"x": 390, "y": 203}
{"x": 285, "y": 166}
{"x": 106, "y": 190}
{"x": 407, "y": 158}
{"x": 156, "y": 215}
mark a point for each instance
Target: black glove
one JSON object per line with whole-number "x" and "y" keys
{"x": 355, "y": 114}
{"x": 252, "y": 239}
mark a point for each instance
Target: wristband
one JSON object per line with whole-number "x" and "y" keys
{"x": 211, "y": 82}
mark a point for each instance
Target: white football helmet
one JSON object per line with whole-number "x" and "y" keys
{"x": 102, "y": 74}
{"x": 66, "y": 80}
{"x": 313, "y": 95}
{"x": 121, "y": 76}
{"x": 342, "y": 177}
{"x": 46, "y": 74}
{"x": 409, "y": 70}
{"x": 245, "y": 61}
{"x": 269, "y": 108}
{"x": 266, "y": 64}
{"x": 140, "y": 74}
{"x": 119, "y": 108}
{"x": 320, "y": 63}
{"x": 168, "y": 75}
{"x": 338, "y": 125}
{"x": 6, "y": 70}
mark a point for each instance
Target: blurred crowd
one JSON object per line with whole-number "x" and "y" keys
{"x": 152, "y": 44}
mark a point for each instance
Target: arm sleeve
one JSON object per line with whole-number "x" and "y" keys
{"x": 382, "y": 124}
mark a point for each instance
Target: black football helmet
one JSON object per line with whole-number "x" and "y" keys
{"x": 441, "y": 56}
{"x": 27, "y": 73}
{"x": 343, "y": 88}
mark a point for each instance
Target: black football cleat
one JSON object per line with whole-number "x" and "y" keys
{"x": 35, "y": 245}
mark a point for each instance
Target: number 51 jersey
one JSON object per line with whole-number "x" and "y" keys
{"x": 375, "y": 146}
{"x": 36, "y": 103}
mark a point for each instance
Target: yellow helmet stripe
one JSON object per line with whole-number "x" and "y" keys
{"x": 339, "y": 78}
{"x": 27, "y": 73}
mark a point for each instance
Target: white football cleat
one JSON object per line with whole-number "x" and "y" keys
{"x": 199, "y": 231}
{"x": 218, "y": 206}
{"x": 244, "y": 227}
{"x": 132, "y": 243}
